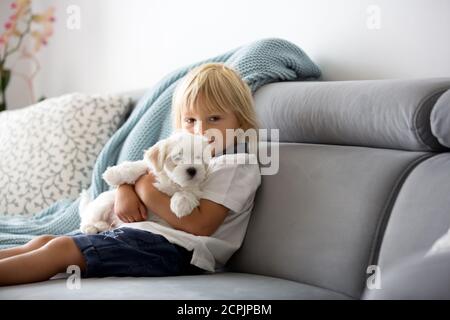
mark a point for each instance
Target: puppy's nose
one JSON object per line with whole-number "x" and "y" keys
{"x": 191, "y": 171}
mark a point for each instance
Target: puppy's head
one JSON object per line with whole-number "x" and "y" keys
{"x": 183, "y": 157}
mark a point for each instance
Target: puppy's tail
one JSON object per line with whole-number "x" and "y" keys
{"x": 85, "y": 199}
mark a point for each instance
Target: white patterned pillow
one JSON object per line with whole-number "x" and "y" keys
{"x": 48, "y": 150}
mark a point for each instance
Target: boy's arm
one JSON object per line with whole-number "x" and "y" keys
{"x": 203, "y": 221}
{"x": 127, "y": 205}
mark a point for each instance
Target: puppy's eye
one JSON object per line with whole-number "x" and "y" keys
{"x": 176, "y": 157}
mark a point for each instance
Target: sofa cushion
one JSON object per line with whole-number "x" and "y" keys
{"x": 421, "y": 213}
{"x": 317, "y": 219}
{"x": 48, "y": 150}
{"x": 210, "y": 286}
{"x": 373, "y": 113}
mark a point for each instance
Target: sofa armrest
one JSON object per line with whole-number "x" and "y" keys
{"x": 415, "y": 278}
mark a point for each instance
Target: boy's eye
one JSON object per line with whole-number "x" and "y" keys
{"x": 189, "y": 120}
{"x": 214, "y": 118}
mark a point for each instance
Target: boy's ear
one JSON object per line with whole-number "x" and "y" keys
{"x": 156, "y": 155}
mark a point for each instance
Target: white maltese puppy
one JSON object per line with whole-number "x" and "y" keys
{"x": 180, "y": 166}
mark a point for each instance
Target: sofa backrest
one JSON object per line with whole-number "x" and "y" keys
{"x": 363, "y": 180}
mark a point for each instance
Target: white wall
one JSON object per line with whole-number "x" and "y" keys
{"x": 130, "y": 44}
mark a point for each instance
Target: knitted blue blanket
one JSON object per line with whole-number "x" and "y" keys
{"x": 259, "y": 63}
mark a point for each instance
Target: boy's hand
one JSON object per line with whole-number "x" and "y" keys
{"x": 127, "y": 206}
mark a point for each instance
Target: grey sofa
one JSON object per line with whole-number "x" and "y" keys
{"x": 364, "y": 180}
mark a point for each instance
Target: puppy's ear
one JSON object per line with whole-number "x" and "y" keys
{"x": 156, "y": 155}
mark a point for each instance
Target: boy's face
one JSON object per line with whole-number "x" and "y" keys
{"x": 200, "y": 122}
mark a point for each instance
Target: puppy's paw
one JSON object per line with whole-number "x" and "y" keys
{"x": 88, "y": 229}
{"x": 112, "y": 176}
{"x": 101, "y": 226}
{"x": 182, "y": 203}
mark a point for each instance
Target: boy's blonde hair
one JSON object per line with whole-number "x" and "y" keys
{"x": 222, "y": 90}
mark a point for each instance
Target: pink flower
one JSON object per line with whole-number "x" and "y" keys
{"x": 8, "y": 25}
{"x": 13, "y": 5}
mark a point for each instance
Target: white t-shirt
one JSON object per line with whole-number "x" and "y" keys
{"x": 232, "y": 182}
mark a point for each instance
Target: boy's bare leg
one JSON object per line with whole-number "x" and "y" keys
{"x": 41, "y": 264}
{"x": 31, "y": 245}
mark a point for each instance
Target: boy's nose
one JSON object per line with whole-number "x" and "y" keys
{"x": 200, "y": 128}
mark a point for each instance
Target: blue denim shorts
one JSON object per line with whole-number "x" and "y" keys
{"x": 131, "y": 252}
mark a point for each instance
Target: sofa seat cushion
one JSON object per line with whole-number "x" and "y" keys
{"x": 224, "y": 286}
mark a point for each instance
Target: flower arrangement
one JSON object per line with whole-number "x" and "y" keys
{"x": 22, "y": 24}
